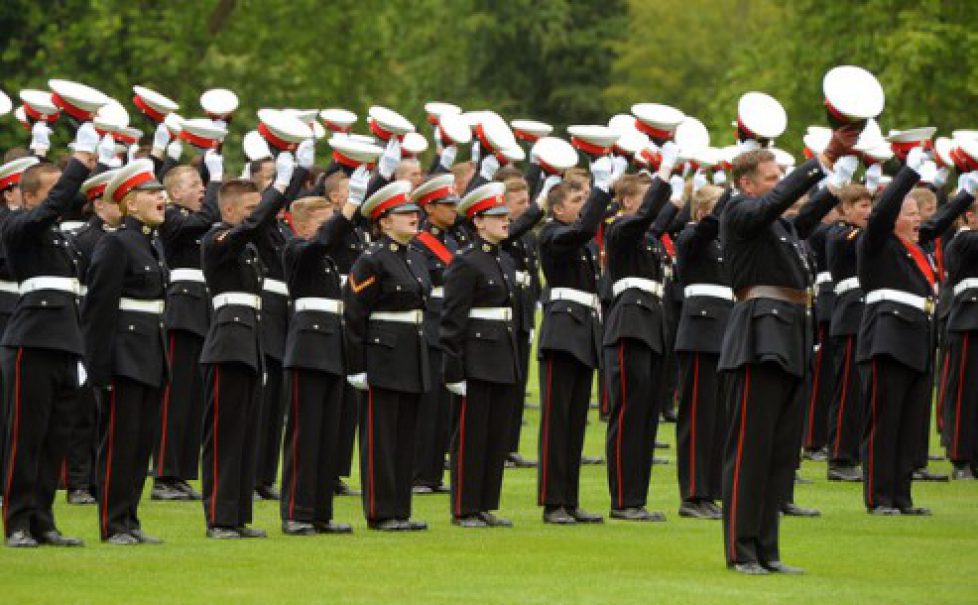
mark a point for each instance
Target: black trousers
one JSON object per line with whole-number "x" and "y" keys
{"x": 434, "y": 431}
{"x": 846, "y": 415}
{"x": 309, "y": 458}
{"x": 270, "y": 423}
{"x": 524, "y": 346}
{"x": 349, "y": 412}
{"x": 700, "y": 428}
{"x": 39, "y": 395}
{"x": 565, "y": 392}
{"x": 760, "y": 458}
{"x": 962, "y": 399}
{"x": 631, "y": 372}
{"x": 83, "y": 441}
{"x": 129, "y": 427}
{"x": 229, "y": 443}
{"x": 388, "y": 421}
{"x": 479, "y": 446}
{"x": 899, "y": 401}
{"x": 945, "y": 409}
{"x": 821, "y": 389}
{"x": 181, "y": 420}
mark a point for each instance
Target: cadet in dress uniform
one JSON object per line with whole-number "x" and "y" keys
{"x": 124, "y": 348}
{"x": 481, "y": 358}
{"x": 700, "y": 425}
{"x": 315, "y": 380}
{"x": 634, "y": 343}
{"x": 191, "y": 213}
{"x": 42, "y": 345}
{"x": 763, "y": 350}
{"x": 232, "y": 355}
{"x": 387, "y": 355}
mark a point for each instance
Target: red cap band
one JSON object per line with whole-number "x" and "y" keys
{"x": 746, "y": 131}
{"x": 349, "y": 162}
{"x": 962, "y": 160}
{"x": 654, "y": 158}
{"x": 273, "y": 140}
{"x": 146, "y": 109}
{"x": 334, "y": 127}
{"x": 547, "y": 167}
{"x": 382, "y": 134}
{"x": 482, "y": 137}
{"x": 383, "y": 207}
{"x": 445, "y": 139}
{"x": 901, "y": 148}
{"x": 127, "y": 185}
{"x": 432, "y": 119}
{"x": 96, "y": 191}
{"x": 588, "y": 147}
{"x": 486, "y": 204}
{"x": 835, "y": 113}
{"x": 124, "y": 138}
{"x": 72, "y": 110}
{"x": 202, "y": 142}
{"x": 10, "y": 179}
{"x": 37, "y": 115}
{"x": 432, "y": 196}
{"x": 526, "y": 136}
{"x": 652, "y": 131}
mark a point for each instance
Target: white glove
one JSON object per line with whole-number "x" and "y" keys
{"x": 40, "y": 137}
{"x": 456, "y": 388}
{"x": 390, "y": 158}
{"x": 969, "y": 182}
{"x": 928, "y": 172}
{"x": 940, "y": 177}
{"x": 601, "y": 172}
{"x": 720, "y": 177}
{"x": 669, "y": 153}
{"x": 131, "y": 153}
{"x": 873, "y": 175}
{"x": 174, "y": 150}
{"x": 476, "y": 152}
{"x": 436, "y": 135}
{"x": 358, "y": 185}
{"x": 842, "y": 171}
{"x": 358, "y": 381}
{"x": 161, "y": 138}
{"x": 488, "y": 168}
{"x": 246, "y": 171}
{"x": 549, "y": 183}
{"x": 86, "y": 139}
{"x": 106, "y": 150}
{"x": 678, "y": 185}
{"x": 699, "y": 180}
{"x": 305, "y": 155}
{"x": 284, "y": 167}
{"x": 748, "y": 145}
{"x": 446, "y": 156}
{"x": 215, "y": 165}
{"x": 619, "y": 165}
{"x": 220, "y": 124}
{"x": 916, "y": 159}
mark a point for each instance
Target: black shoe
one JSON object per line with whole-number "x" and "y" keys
{"x": 799, "y": 480}
{"x": 592, "y": 460}
{"x": 298, "y": 528}
{"x": 963, "y": 473}
{"x": 711, "y": 506}
{"x": 250, "y": 532}
{"x": 388, "y": 525}
{"x": 916, "y": 511}
{"x": 658, "y": 460}
{"x": 121, "y": 539}
{"x": 144, "y": 538}
{"x": 53, "y": 537}
{"x": 515, "y": 460}
{"x": 21, "y": 539}
{"x": 790, "y": 509}
{"x": 582, "y": 516}
{"x": 440, "y": 489}
{"x": 167, "y": 492}
{"x": 558, "y": 516}
{"x": 660, "y": 445}
{"x": 494, "y": 521}
{"x": 922, "y": 474}
{"x": 222, "y": 533}
{"x": 185, "y": 487}
{"x": 80, "y": 497}
{"x": 469, "y": 521}
{"x": 268, "y": 492}
{"x": 884, "y": 511}
{"x": 696, "y": 510}
{"x": 819, "y": 455}
{"x": 750, "y": 569}
{"x": 844, "y": 473}
{"x": 342, "y": 489}
{"x": 413, "y": 525}
{"x": 331, "y": 527}
{"x": 637, "y": 513}
{"x": 422, "y": 489}
{"x": 779, "y": 567}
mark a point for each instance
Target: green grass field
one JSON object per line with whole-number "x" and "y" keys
{"x": 850, "y": 556}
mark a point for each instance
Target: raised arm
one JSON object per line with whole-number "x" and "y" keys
{"x": 887, "y": 209}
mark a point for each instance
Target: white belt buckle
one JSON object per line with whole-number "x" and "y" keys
{"x": 325, "y": 305}
{"x": 153, "y": 307}
{"x": 275, "y": 286}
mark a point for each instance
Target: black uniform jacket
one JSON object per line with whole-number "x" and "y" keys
{"x": 962, "y": 263}
{"x": 480, "y": 276}
{"x": 840, "y": 254}
{"x": 521, "y": 246}
{"x": 824, "y": 292}
{"x": 438, "y": 246}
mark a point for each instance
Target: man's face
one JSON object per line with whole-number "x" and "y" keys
{"x": 338, "y": 196}
{"x": 570, "y": 210}
{"x": 462, "y": 180}
{"x": 238, "y": 209}
{"x": 264, "y": 175}
{"x": 441, "y": 215}
{"x": 148, "y": 206}
{"x": 188, "y": 192}
{"x": 494, "y": 228}
{"x": 48, "y": 179}
{"x": 971, "y": 219}
{"x": 857, "y": 213}
{"x": 400, "y": 226}
{"x": 517, "y": 202}
{"x": 765, "y": 178}
{"x": 908, "y": 222}
{"x": 410, "y": 170}
{"x": 631, "y": 203}
{"x": 313, "y": 221}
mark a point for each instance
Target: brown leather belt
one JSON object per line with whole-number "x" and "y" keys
{"x": 789, "y": 295}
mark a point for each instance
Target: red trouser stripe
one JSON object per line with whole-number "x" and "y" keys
{"x": 370, "y": 452}
{"x": 546, "y": 431}
{"x": 732, "y": 538}
{"x": 161, "y": 459}
{"x": 295, "y": 442}
{"x": 108, "y": 462}
{"x": 460, "y": 467}
{"x": 845, "y": 393}
{"x": 15, "y": 432}
{"x": 957, "y": 403}
{"x": 872, "y": 437}
{"x": 814, "y": 395}
{"x": 692, "y": 424}
{"x": 215, "y": 426}
{"x": 621, "y": 421}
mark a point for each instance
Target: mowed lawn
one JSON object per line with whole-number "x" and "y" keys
{"x": 850, "y": 556}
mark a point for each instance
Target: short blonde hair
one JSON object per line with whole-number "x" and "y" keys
{"x": 303, "y": 207}
{"x": 704, "y": 200}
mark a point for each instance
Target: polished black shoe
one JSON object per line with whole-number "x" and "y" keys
{"x": 963, "y": 473}
{"x": 916, "y": 511}
{"x": 80, "y": 497}
{"x": 388, "y": 525}
{"x": 332, "y": 527}
{"x": 515, "y": 460}
{"x": 558, "y": 516}
{"x": 697, "y": 510}
{"x": 790, "y": 509}
{"x": 440, "y": 489}
{"x": 250, "y": 532}
{"x": 298, "y": 528}
{"x": 799, "y": 480}
{"x": 268, "y": 492}
{"x": 121, "y": 540}
{"x": 582, "y": 516}
{"x": 53, "y": 537}
{"x": 922, "y": 474}
{"x": 750, "y": 569}
{"x": 779, "y": 567}
{"x": 661, "y": 445}
{"x": 21, "y": 539}
{"x": 343, "y": 489}
{"x": 636, "y": 514}
{"x": 659, "y": 461}
{"x": 494, "y": 521}
{"x": 186, "y": 488}
{"x": 711, "y": 506}
{"x": 592, "y": 460}
{"x": 144, "y": 538}
{"x": 844, "y": 473}
{"x": 817, "y": 455}
{"x": 469, "y": 521}
{"x": 167, "y": 492}
{"x": 413, "y": 525}
{"x": 222, "y": 533}
{"x": 884, "y": 511}
{"x": 422, "y": 489}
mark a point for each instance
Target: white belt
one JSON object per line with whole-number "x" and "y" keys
{"x": 64, "y": 284}
{"x": 491, "y": 313}
{"x": 965, "y": 284}
{"x": 10, "y": 287}
{"x": 187, "y": 275}
{"x": 724, "y": 292}
{"x": 415, "y": 316}
{"x": 825, "y": 277}
{"x": 579, "y": 296}
{"x": 82, "y": 290}
{"x": 640, "y": 283}
{"x": 314, "y": 303}
{"x": 849, "y": 283}
{"x": 921, "y": 303}
{"x": 523, "y": 278}
{"x": 70, "y": 226}
{"x": 275, "y": 286}
{"x": 240, "y": 299}
{"x": 154, "y": 307}
{"x": 438, "y": 292}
